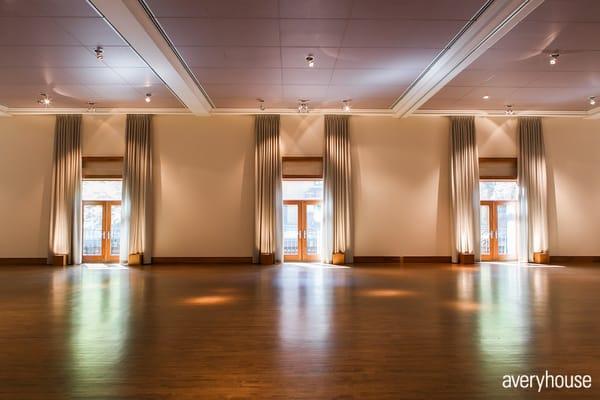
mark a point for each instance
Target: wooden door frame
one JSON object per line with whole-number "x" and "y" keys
{"x": 298, "y": 204}
{"x": 106, "y": 225}
{"x": 493, "y": 229}
{"x": 302, "y": 231}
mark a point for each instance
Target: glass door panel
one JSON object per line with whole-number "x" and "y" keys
{"x": 291, "y": 231}
{"x": 93, "y": 231}
{"x": 486, "y": 230}
{"x": 312, "y": 231}
{"x": 115, "y": 230}
{"x": 506, "y": 230}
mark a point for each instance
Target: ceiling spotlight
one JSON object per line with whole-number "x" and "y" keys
{"x": 509, "y": 110}
{"x": 592, "y": 100}
{"x": 148, "y": 97}
{"x": 310, "y": 60}
{"x": 303, "y": 106}
{"x": 486, "y": 97}
{"x": 91, "y": 106}
{"x": 99, "y": 53}
{"x": 261, "y": 104}
{"x": 554, "y": 58}
{"x": 346, "y": 105}
{"x": 44, "y": 100}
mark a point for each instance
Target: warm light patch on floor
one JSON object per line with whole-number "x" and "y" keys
{"x": 387, "y": 293}
{"x": 208, "y": 300}
{"x": 469, "y": 306}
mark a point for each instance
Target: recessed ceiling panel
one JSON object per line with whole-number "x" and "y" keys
{"x": 366, "y": 50}
{"x": 517, "y": 69}
{"x": 48, "y": 47}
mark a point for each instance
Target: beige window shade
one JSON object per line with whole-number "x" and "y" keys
{"x": 498, "y": 168}
{"x": 102, "y": 167}
{"x": 302, "y": 167}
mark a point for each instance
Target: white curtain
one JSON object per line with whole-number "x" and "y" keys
{"x": 464, "y": 181}
{"x": 65, "y": 213}
{"x": 337, "y": 218}
{"x": 268, "y": 238}
{"x": 136, "y": 208}
{"x": 533, "y": 191}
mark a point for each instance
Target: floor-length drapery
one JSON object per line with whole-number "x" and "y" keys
{"x": 268, "y": 236}
{"x": 533, "y": 189}
{"x": 136, "y": 208}
{"x": 337, "y": 183}
{"x": 464, "y": 182}
{"x": 65, "y": 213}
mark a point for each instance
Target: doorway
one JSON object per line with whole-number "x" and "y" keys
{"x": 101, "y": 220}
{"x": 498, "y": 220}
{"x": 302, "y": 220}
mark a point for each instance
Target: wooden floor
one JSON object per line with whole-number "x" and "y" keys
{"x": 295, "y": 331}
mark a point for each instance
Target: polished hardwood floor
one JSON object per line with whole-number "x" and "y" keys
{"x": 295, "y": 331}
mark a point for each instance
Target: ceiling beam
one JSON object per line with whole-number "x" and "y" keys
{"x": 130, "y": 20}
{"x": 493, "y": 22}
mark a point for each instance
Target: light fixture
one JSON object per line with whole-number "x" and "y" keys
{"x": 303, "y": 106}
{"x": 509, "y": 110}
{"x": 44, "y": 100}
{"x": 554, "y": 58}
{"x": 592, "y": 100}
{"x": 99, "y": 53}
{"x": 261, "y": 104}
{"x": 346, "y": 105}
{"x": 91, "y": 106}
{"x": 148, "y": 97}
{"x": 486, "y": 97}
{"x": 310, "y": 60}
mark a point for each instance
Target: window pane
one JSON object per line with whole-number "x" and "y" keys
{"x": 101, "y": 190}
{"x": 115, "y": 230}
{"x": 302, "y": 190}
{"x": 92, "y": 233}
{"x": 498, "y": 190}
{"x": 485, "y": 230}
{"x": 314, "y": 217}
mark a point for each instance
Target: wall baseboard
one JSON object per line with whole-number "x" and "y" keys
{"x": 574, "y": 259}
{"x": 402, "y": 259}
{"x": 201, "y": 260}
{"x": 23, "y": 261}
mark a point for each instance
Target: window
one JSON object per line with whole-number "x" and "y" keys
{"x": 498, "y": 220}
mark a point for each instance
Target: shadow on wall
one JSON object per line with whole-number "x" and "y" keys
{"x": 496, "y": 137}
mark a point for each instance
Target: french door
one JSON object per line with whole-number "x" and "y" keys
{"x": 498, "y": 221}
{"x": 302, "y": 221}
{"x": 101, "y": 231}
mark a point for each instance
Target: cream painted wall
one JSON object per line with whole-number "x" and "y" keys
{"x": 204, "y": 180}
{"x": 204, "y": 186}
{"x": 400, "y": 186}
{"x": 25, "y": 185}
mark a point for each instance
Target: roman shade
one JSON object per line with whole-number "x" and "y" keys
{"x": 464, "y": 182}
{"x": 337, "y": 183}
{"x": 268, "y": 237}
{"x": 533, "y": 189}
{"x": 65, "y": 211}
{"x": 102, "y": 167}
{"x": 302, "y": 167}
{"x": 136, "y": 208}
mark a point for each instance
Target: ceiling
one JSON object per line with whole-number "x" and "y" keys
{"x": 48, "y": 47}
{"x": 237, "y": 51}
{"x": 516, "y": 70}
{"x": 366, "y": 50}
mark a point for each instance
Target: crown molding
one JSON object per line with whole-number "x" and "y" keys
{"x": 98, "y": 111}
{"x": 592, "y": 114}
{"x": 130, "y": 19}
{"x": 493, "y": 21}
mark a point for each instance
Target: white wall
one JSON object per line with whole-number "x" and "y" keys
{"x": 204, "y": 195}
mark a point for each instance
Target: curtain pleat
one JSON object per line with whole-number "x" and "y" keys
{"x": 136, "y": 209}
{"x": 464, "y": 181}
{"x": 268, "y": 197}
{"x": 337, "y": 219}
{"x": 533, "y": 190}
{"x": 65, "y": 213}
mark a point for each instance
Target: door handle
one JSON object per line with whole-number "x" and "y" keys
{"x": 305, "y": 234}
{"x": 103, "y": 235}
